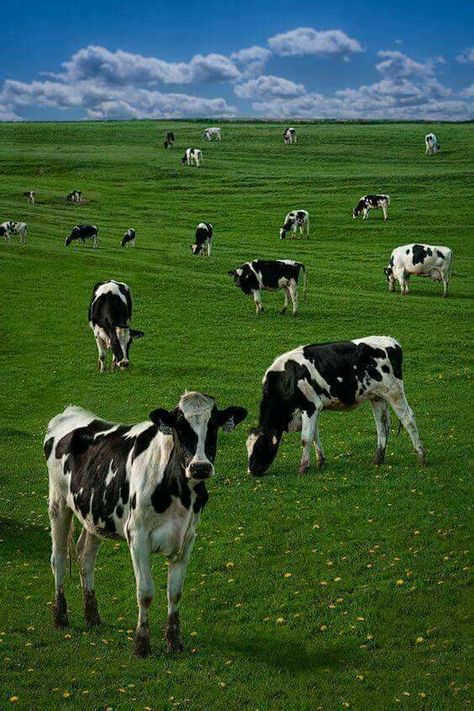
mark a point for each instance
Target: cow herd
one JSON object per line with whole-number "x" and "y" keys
{"x": 145, "y": 482}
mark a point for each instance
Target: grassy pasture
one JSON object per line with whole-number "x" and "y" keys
{"x": 346, "y": 588}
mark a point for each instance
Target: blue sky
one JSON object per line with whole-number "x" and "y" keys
{"x": 366, "y": 59}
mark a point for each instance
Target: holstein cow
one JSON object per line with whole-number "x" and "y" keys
{"x": 9, "y": 228}
{"x": 192, "y": 155}
{"x": 371, "y": 202}
{"x": 210, "y": 133}
{"x": 432, "y": 145}
{"x": 289, "y": 135}
{"x": 420, "y": 260}
{"x": 202, "y": 239}
{"x": 74, "y": 196}
{"x": 270, "y": 275}
{"x": 169, "y": 139}
{"x": 129, "y": 238}
{"x": 30, "y": 196}
{"x": 294, "y": 221}
{"x": 329, "y": 376}
{"x": 144, "y": 483}
{"x": 83, "y": 232}
{"x": 110, "y": 313}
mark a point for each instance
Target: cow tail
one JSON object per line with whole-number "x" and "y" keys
{"x": 71, "y": 548}
{"x": 305, "y": 281}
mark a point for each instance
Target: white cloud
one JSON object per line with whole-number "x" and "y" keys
{"x": 251, "y": 60}
{"x": 308, "y": 41}
{"x": 7, "y": 115}
{"x": 396, "y": 65}
{"x": 466, "y": 57}
{"x": 267, "y": 86}
{"x": 468, "y": 91}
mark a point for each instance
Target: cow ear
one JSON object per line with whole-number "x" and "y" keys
{"x": 231, "y": 272}
{"x": 136, "y": 334}
{"x": 231, "y": 417}
{"x": 164, "y": 419}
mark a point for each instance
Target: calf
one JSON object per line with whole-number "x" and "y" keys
{"x": 74, "y": 196}
{"x": 294, "y": 221}
{"x": 210, "y": 133}
{"x": 192, "y": 155}
{"x": 289, "y": 135}
{"x": 329, "y": 376}
{"x": 258, "y": 275}
{"x": 30, "y": 196}
{"x": 129, "y": 237}
{"x": 202, "y": 239}
{"x": 419, "y": 260}
{"x": 14, "y": 228}
{"x": 110, "y": 313}
{"x": 371, "y": 202}
{"x": 83, "y": 232}
{"x": 144, "y": 483}
{"x": 169, "y": 139}
{"x": 431, "y": 143}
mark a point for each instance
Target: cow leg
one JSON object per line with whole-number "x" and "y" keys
{"x": 102, "y": 348}
{"x": 308, "y": 428}
{"x": 385, "y": 216}
{"x": 176, "y": 574}
{"x": 445, "y": 284}
{"x": 87, "y": 548}
{"x": 293, "y": 289}
{"x": 257, "y": 297}
{"x": 403, "y": 281}
{"x": 208, "y": 247}
{"x": 365, "y": 215}
{"x": 381, "y": 415}
{"x": 60, "y": 516}
{"x": 287, "y": 299}
{"x": 320, "y": 456}
{"x": 405, "y": 414}
{"x": 391, "y": 283}
{"x": 140, "y": 551}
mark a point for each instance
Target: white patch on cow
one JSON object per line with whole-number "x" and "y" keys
{"x": 111, "y": 286}
{"x": 197, "y": 409}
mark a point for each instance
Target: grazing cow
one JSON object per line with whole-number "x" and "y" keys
{"x": 294, "y": 221}
{"x": 129, "y": 238}
{"x": 371, "y": 202}
{"x": 289, "y": 135}
{"x": 432, "y": 145}
{"x": 144, "y": 483}
{"x": 74, "y": 196}
{"x": 202, "y": 238}
{"x": 30, "y": 196}
{"x": 210, "y": 133}
{"x": 110, "y": 313}
{"x": 270, "y": 275}
{"x": 192, "y": 155}
{"x": 329, "y": 376}
{"x": 420, "y": 260}
{"x": 169, "y": 139}
{"x": 14, "y": 228}
{"x": 83, "y": 232}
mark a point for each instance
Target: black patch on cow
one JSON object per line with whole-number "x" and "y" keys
{"x": 440, "y": 254}
{"x": 202, "y": 497}
{"x": 133, "y": 501}
{"x": 48, "y": 447}
{"x": 119, "y": 511}
{"x": 172, "y": 484}
{"x": 385, "y": 369}
{"x": 395, "y": 357}
{"x": 144, "y": 440}
{"x": 420, "y": 252}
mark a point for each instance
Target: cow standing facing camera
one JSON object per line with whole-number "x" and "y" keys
{"x": 202, "y": 239}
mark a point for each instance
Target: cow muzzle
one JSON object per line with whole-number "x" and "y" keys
{"x": 200, "y": 470}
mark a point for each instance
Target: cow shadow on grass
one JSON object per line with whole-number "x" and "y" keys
{"x": 32, "y": 541}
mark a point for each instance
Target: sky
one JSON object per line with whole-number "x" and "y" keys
{"x": 111, "y": 59}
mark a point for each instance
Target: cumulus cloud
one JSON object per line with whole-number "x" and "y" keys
{"x": 308, "y": 41}
{"x": 252, "y": 60}
{"x": 466, "y": 57}
{"x": 266, "y": 86}
{"x": 396, "y": 65}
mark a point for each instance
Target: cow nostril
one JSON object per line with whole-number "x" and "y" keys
{"x": 200, "y": 470}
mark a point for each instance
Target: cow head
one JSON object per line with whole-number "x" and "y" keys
{"x": 74, "y": 235}
{"x": 194, "y": 425}
{"x": 357, "y": 210}
{"x": 262, "y": 448}
{"x": 121, "y": 337}
{"x": 197, "y": 248}
{"x": 242, "y": 278}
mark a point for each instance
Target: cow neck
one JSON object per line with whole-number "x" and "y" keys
{"x": 274, "y": 414}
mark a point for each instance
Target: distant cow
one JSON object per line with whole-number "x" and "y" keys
{"x": 420, "y": 260}
{"x": 30, "y": 196}
{"x": 294, "y": 221}
{"x": 300, "y": 384}
{"x": 202, "y": 239}
{"x": 289, "y": 135}
{"x": 432, "y": 145}
{"x": 271, "y": 275}
{"x": 144, "y": 483}
{"x": 74, "y": 196}
{"x": 169, "y": 139}
{"x": 83, "y": 232}
{"x": 192, "y": 155}
{"x": 129, "y": 238}
{"x": 371, "y": 202}
{"x": 9, "y": 228}
{"x": 210, "y": 133}
{"x": 110, "y": 313}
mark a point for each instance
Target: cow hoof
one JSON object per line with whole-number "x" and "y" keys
{"x": 142, "y": 643}
{"x": 379, "y": 458}
{"x": 173, "y": 633}
{"x": 176, "y": 646}
{"x": 282, "y": 312}
{"x": 321, "y": 461}
{"x": 91, "y": 611}
{"x": 421, "y": 458}
{"x": 303, "y": 468}
{"x": 59, "y": 610}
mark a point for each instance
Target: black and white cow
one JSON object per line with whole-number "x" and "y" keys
{"x": 110, "y": 313}
{"x": 209, "y": 133}
{"x": 202, "y": 239}
{"x": 431, "y": 143}
{"x": 129, "y": 238}
{"x": 192, "y": 155}
{"x": 9, "y": 228}
{"x": 30, "y": 196}
{"x": 83, "y": 232}
{"x": 144, "y": 483}
{"x": 419, "y": 260}
{"x": 169, "y": 139}
{"x": 289, "y": 135}
{"x": 270, "y": 275}
{"x": 74, "y": 196}
{"x": 329, "y": 376}
{"x": 294, "y": 221}
{"x": 371, "y": 202}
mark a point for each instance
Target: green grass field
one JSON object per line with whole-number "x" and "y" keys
{"x": 346, "y": 588}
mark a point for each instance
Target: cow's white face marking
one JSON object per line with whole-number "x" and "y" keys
{"x": 197, "y": 411}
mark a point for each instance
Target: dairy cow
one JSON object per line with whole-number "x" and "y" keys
{"x": 9, "y": 228}
{"x": 431, "y": 143}
{"x": 294, "y": 221}
{"x": 202, "y": 239}
{"x": 30, "y": 196}
{"x": 418, "y": 260}
{"x": 289, "y": 135}
{"x": 270, "y": 275}
{"x": 372, "y": 202}
{"x": 169, "y": 139}
{"x": 83, "y": 232}
{"x": 210, "y": 133}
{"x": 129, "y": 238}
{"x": 192, "y": 155}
